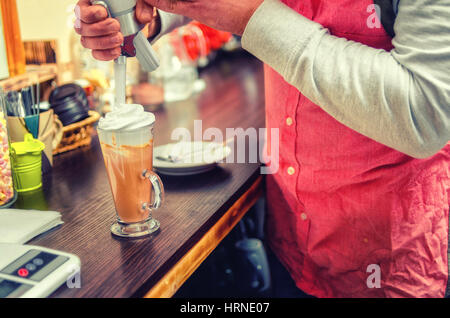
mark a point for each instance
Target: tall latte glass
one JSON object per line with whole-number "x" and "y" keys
{"x": 126, "y": 138}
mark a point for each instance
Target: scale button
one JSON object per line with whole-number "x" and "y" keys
{"x": 23, "y": 272}
{"x": 38, "y": 261}
{"x": 30, "y": 267}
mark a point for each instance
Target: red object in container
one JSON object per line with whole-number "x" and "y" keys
{"x": 216, "y": 38}
{"x": 198, "y": 40}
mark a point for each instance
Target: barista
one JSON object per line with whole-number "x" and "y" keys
{"x": 360, "y": 204}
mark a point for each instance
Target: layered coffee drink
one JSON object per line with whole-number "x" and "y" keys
{"x": 124, "y": 166}
{"x": 126, "y": 138}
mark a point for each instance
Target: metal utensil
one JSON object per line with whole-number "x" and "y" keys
{"x": 14, "y": 99}
{"x": 27, "y": 100}
{"x": 38, "y": 103}
{"x": 9, "y": 109}
{"x": 24, "y": 103}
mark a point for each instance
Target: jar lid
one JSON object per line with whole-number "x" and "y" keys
{"x": 62, "y": 94}
{"x": 29, "y": 145}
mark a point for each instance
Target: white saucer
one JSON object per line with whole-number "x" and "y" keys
{"x": 194, "y": 157}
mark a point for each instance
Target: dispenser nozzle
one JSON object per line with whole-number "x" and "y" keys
{"x": 145, "y": 54}
{"x": 120, "y": 80}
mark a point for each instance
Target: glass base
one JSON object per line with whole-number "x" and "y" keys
{"x": 135, "y": 230}
{"x": 10, "y": 202}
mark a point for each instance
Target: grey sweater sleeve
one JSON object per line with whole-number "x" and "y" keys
{"x": 399, "y": 98}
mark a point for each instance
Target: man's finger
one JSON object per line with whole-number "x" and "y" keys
{"x": 144, "y": 12}
{"x": 88, "y": 13}
{"x": 106, "y": 55}
{"x": 102, "y": 42}
{"x": 105, "y": 27}
{"x": 172, "y": 6}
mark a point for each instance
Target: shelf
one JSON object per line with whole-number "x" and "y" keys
{"x": 35, "y": 74}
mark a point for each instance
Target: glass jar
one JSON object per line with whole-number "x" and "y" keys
{"x": 7, "y": 193}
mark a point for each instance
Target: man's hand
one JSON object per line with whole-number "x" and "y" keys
{"x": 102, "y": 34}
{"x": 225, "y": 15}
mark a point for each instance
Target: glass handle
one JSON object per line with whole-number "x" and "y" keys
{"x": 158, "y": 189}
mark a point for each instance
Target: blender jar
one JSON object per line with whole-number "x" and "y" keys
{"x": 7, "y": 193}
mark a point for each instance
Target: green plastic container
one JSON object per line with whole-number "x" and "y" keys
{"x": 27, "y": 164}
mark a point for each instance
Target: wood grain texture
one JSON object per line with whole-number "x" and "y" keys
{"x": 78, "y": 188}
{"x": 186, "y": 266}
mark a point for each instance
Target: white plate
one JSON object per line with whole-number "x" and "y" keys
{"x": 196, "y": 157}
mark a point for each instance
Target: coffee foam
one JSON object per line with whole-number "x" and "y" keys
{"x": 126, "y": 117}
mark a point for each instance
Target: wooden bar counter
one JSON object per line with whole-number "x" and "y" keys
{"x": 198, "y": 212}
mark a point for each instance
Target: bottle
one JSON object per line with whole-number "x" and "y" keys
{"x": 11, "y": 30}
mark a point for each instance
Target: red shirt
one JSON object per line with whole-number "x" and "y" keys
{"x": 343, "y": 206}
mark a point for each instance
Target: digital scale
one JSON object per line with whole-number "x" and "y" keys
{"x": 28, "y": 271}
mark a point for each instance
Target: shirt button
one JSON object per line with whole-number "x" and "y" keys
{"x": 289, "y": 121}
{"x": 303, "y": 216}
{"x": 290, "y": 171}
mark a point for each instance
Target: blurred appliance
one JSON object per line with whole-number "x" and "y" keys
{"x": 182, "y": 51}
{"x": 253, "y": 273}
{"x": 32, "y": 271}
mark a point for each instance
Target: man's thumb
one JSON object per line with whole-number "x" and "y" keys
{"x": 144, "y": 12}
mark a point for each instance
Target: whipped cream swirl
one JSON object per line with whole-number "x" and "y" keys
{"x": 126, "y": 117}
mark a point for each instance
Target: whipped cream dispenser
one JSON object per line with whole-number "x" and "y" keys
{"x": 135, "y": 43}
